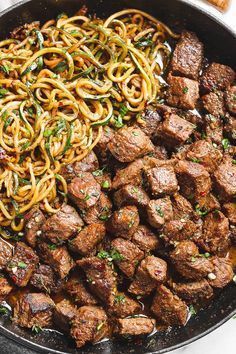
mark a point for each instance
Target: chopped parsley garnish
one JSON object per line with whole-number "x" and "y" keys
{"x": 234, "y": 162}
{"x": 194, "y": 159}
{"x": 106, "y": 184}
{"x": 100, "y": 325}
{"x": 52, "y": 247}
{"x": 36, "y": 329}
{"x": 120, "y": 298}
{"x": 201, "y": 211}
{"x": 98, "y": 172}
{"x": 185, "y": 89}
{"x": 159, "y": 211}
{"x": 123, "y": 110}
{"x": 192, "y": 310}
{"x": 3, "y": 310}
{"x": 103, "y": 254}
{"x": 3, "y": 92}
{"x": 22, "y": 265}
{"x": 114, "y": 255}
{"x": 225, "y": 143}
{"x": 87, "y": 197}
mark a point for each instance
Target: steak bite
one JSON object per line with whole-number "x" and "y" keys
{"x": 33, "y": 309}
{"x": 222, "y": 273}
{"x": 208, "y": 203}
{"x": 90, "y": 324}
{"x": 217, "y": 77}
{"x": 84, "y": 190}
{"x": 162, "y": 180}
{"x": 159, "y": 211}
{"x": 124, "y": 222}
{"x": 169, "y": 308}
{"x": 230, "y": 99}
{"x": 101, "y": 147}
{"x": 5, "y": 253}
{"x": 213, "y": 103}
{"x": 182, "y": 92}
{"x": 230, "y": 129}
{"x": 179, "y": 230}
{"x": 130, "y": 143}
{"x": 150, "y": 122}
{"x": 78, "y": 292}
{"x": 145, "y": 239}
{"x": 98, "y": 213}
{"x": 100, "y": 277}
{"x": 134, "y": 326}
{"x": 132, "y": 174}
{"x": 22, "y": 265}
{"x": 5, "y": 288}
{"x": 225, "y": 179}
{"x": 57, "y": 257}
{"x": 194, "y": 292}
{"x": 182, "y": 208}
{"x": 87, "y": 239}
{"x": 151, "y": 272}
{"x": 127, "y": 254}
{"x": 230, "y": 212}
{"x": 62, "y": 225}
{"x": 64, "y": 312}
{"x": 44, "y": 279}
{"x": 35, "y": 219}
{"x": 187, "y": 57}
{"x": 131, "y": 195}
{"x": 124, "y": 306}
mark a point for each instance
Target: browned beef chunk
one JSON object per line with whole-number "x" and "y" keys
{"x": 179, "y": 230}
{"x": 84, "y": 190}
{"x": 89, "y": 325}
{"x": 159, "y": 211}
{"x": 188, "y": 262}
{"x": 151, "y": 272}
{"x": 230, "y": 128}
{"x": 187, "y": 56}
{"x": 101, "y": 148}
{"x": 230, "y": 99}
{"x": 5, "y": 253}
{"x": 182, "y": 92}
{"x": 208, "y": 202}
{"x": 124, "y": 221}
{"x": 159, "y": 152}
{"x": 64, "y": 312}
{"x": 78, "y": 292}
{"x": 57, "y": 257}
{"x": 128, "y": 255}
{"x": 194, "y": 292}
{"x": 131, "y": 195}
{"x": 193, "y": 178}
{"x": 174, "y": 130}
{"x": 33, "y": 309}
{"x": 129, "y": 175}
{"x": 22, "y": 264}
{"x": 169, "y": 308}
{"x": 5, "y": 288}
{"x": 44, "y": 279}
{"x": 222, "y": 273}
{"x": 98, "y": 213}
{"x": 100, "y": 277}
{"x": 162, "y": 180}
{"x": 145, "y": 239}
{"x": 213, "y": 103}
{"x": 217, "y": 77}
{"x": 88, "y": 238}
{"x": 129, "y": 143}
{"x": 124, "y": 306}
{"x": 88, "y": 164}
{"x": 182, "y": 208}
{"x": 230, "y": 211}
{"x": 225, "y": 179}
{"x": 134, "y": 326}
{"x": 150, "y": 122}
{"x": 23, "y": 32}
{"x": 34, "y": 222}
{"x": 215, "y": 235}
{"x": 62, "y": 225}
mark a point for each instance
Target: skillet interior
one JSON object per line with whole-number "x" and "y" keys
{"x": 220, "y": 45}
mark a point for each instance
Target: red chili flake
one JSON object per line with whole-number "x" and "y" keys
{"x": 202, "y": 194}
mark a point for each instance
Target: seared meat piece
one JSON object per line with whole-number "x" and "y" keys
{"x": 101, "y": 148}
{"x": 57, "y": 257}
{"x": 213, "y": 103}
{"x": 169, "y": 308}
{"x": 193, "y": 178}
{"x": 100, "y": 277}
{"x": 23, "y": 32}
{"x": 179, "y": 230}
{"x": 194, "y": 292}
{"x": 34, "y": 222}
{"x": 151, "y": 120}
{"x": 89, "y": 325}
{"x": 124, "y": 222}
{"x": 187, "y": 56}
{"x": 215, "y": 235}
{"x": 78, "y": 292}
{"x": 84, "y": 190}
{"x": 230, "y": 129}
{"x": 62, "y": 225}
{"x": 204, "y": 153}
{"x": 131, "y": 195}
{"x": 87, "y": 239}
{"x": 230, "y": 99}
{"x": 99, "y": 212}
{"x": 129, "y": 175}
{"x": 182, "y": 92}
{"x": 124, "y": 306}
{"x": 64, "y": 312}
{"x": 128, "y": 255}
{"x": 230, "y": 211}
{"x": 130, "y": 143}
{"x": 225, "y": 179}
{"x": 88, "y": 164}
{"x": 145, "y": 239}
{"x": 5, "y": 253}
{"x": 151, "y": 272}
{"x": 162, "y": 180}
{"x": 214, "y": 129}
{"x": 182, "y": 208}
{"x": 159, "y": 152}
{"x": 188, "y": 262}
{"x": 34, "y": 309}
{"x": 44, "y": 279}
{"x": 159, "y": 211}
{"x": 222, "y": 273}
{"x": 22, "y": 264}
{"x": 5, "y": 288}
{"x": 134, "y": 326}
{"x": 174, "y": 130}
{"x": 217, "y": 77}
{"x": 208, "y": 202}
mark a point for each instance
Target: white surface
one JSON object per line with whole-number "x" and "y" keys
{"x": 222, "y": 340}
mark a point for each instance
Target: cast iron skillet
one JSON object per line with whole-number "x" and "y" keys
{"x": 220, "y": 45}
